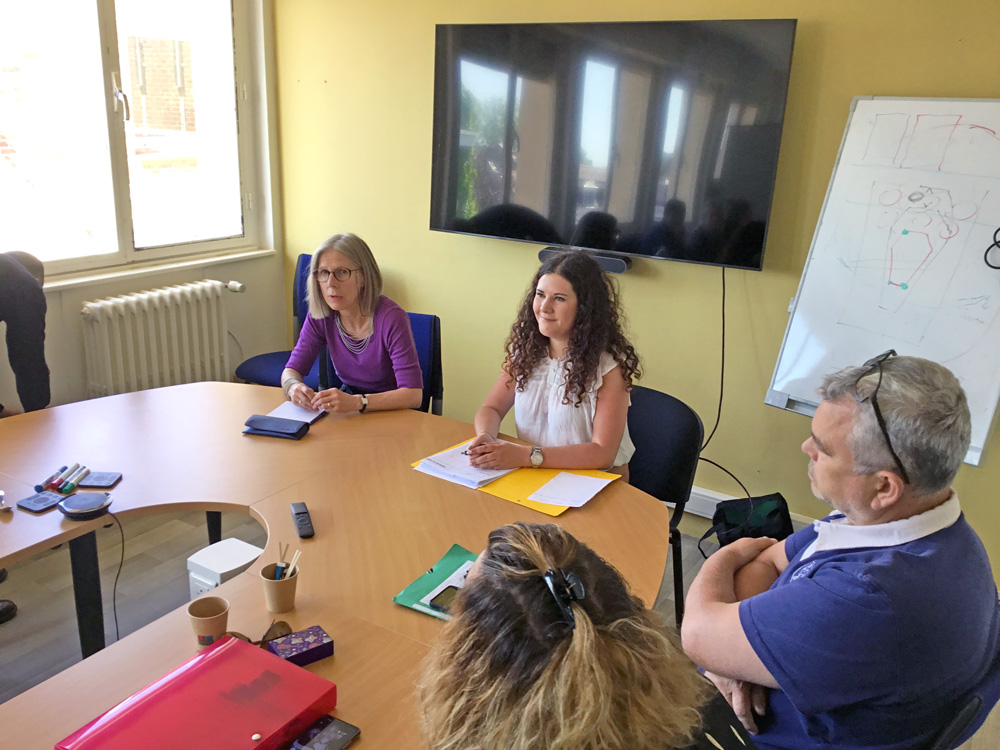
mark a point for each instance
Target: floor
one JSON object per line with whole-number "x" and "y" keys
{"x": 42, "y": 640}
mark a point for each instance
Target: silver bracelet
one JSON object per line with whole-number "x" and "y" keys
{"x": 287, "y": 384}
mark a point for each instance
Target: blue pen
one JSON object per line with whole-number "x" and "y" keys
{"x": 279, "y": 569}
{"x": 45, "y": 485}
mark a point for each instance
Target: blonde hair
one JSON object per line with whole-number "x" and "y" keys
{"x": 510, "y": 671}
{"x": 357, "y": 250}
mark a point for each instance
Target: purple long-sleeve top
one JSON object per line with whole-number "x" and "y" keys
{"x": 389, "y": 362}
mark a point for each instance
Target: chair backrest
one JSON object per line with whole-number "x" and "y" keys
{"x": 968, "y": 716}
{"x": 667, "y": 434}
{"x": 959, "y": 725}
{"x": 427, "y": 336}
{"x": 300, "y": 305}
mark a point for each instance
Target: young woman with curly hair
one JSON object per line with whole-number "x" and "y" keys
{"x": 548, "y": 650}
{"x": 567, "y": 373}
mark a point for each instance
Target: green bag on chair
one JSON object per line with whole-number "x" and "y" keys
{"x": 753, "y": 517}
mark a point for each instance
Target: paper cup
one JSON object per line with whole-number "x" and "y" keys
{"x": 279, "y": 595}
{"x": 208, "y": 618}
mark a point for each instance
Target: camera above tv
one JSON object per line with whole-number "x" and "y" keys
{"x": 649, "y": 139}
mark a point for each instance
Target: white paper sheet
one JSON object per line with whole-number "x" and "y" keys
{"x": 569, "y": 490}
{"x": 288, "y": 410}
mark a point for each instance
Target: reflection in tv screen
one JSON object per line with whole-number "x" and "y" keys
{"x": 654, "y": 139}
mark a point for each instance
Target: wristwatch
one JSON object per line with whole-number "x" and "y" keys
{"x": 364, "y": 403}
{"x": 536, "y": 457}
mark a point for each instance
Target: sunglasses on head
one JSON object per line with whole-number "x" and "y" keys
{"x": 870, "y": 366}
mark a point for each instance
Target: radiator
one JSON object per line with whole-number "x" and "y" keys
{"x": 159, "y": 337}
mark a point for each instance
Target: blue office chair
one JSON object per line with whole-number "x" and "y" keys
{"x": 265, "y": 369}
{"x": 970, "y": 713}
{"x": 427, "y": 337}
{"x": 667, "y": 434}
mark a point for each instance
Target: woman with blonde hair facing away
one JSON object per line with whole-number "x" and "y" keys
{"x": 567, "y": 373}
{"x": 367, "y": 334}
{"x": 548, "y": 650}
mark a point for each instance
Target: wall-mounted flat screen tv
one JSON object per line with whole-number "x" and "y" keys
{"x": 653, "y": 139}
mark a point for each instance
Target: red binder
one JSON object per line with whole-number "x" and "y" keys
{"x": 222, "y": 698}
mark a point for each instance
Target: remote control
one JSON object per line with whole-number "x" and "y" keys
{"x": 303, "y": 523}
{"x": 40, "y": 502}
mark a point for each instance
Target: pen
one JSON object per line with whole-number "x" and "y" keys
{"x": 61, "y": 479}
{"x": 68, "y": 485}
{"x": 45, "y": 485}
{"x": 279, "y": 570}
{"x": 75, "y": 480}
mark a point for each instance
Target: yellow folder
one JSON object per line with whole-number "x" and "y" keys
{"x": 516, "y": 486}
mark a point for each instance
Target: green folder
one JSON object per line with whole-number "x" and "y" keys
{"x": 417, "y": 593}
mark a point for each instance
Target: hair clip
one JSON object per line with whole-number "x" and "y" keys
{"x": 566, "y": 589}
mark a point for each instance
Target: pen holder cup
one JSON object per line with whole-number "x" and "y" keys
{"x": 279, "y": 595}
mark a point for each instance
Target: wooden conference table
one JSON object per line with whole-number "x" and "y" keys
{"x": 379, "y": 524}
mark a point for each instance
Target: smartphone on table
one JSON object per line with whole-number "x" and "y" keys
{"x": 326, "y": 733}
{"x": 444, "y": 598}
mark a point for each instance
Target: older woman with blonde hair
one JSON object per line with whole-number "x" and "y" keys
{"x": 547, "y": 649}
{"x": 367, "y": 334}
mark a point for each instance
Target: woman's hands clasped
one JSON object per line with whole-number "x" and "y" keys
{"x": 487, "y": 452}
{"x": 331, "y": 400}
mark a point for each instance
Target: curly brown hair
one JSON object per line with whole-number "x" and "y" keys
{"x": 510, "y": 672}
{"x": 597, "y": 328}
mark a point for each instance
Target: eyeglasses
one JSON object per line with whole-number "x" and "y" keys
{"x": 340, "y": 274}
{"x": 278, "y": 629}
{"x": 870, "y": 365}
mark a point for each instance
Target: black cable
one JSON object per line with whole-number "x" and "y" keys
{"x": 722, "y": 368}
{"x": 114, "y": 589}
{"x": 719, "y": 466}
{"x": 735, "y": 479}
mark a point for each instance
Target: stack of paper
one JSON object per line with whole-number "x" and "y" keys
{"x": 453, "y": 465}
{"x": 288, "y": 410}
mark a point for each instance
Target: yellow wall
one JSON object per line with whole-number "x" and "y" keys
{"x": 355, "y": 84}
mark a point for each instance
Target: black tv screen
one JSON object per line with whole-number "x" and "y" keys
{"x": 653, "y": 139}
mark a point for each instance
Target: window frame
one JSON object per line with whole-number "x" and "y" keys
{"x": 253, "y": 52}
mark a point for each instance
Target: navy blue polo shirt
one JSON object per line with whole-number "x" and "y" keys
{"x": 872, "y": 631}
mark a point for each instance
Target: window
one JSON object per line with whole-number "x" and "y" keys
{"x": 498, "y": 168}
{"x": 596, "y": 137}
{"x": 127, "y": 130}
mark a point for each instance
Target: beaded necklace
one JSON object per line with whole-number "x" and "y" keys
{"x": 353, "y": 345}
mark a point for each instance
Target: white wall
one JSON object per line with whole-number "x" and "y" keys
{"x": 258, "y": 319}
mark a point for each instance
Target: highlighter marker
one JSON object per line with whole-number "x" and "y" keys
{"x": 44, "y": 485}
{"x": 61, "y": 479}
{"x": 75, "y": 480}
{"x": 70, "y": 482}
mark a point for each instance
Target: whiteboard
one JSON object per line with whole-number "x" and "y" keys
{"x": 898, "y": 259}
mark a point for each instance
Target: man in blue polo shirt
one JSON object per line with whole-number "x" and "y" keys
{"x": 872, "y": 627}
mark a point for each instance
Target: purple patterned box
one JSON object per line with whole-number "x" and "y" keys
{"x": 304, "y": 646}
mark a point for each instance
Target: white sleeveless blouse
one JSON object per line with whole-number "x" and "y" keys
{"x": 543, "y": 419}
